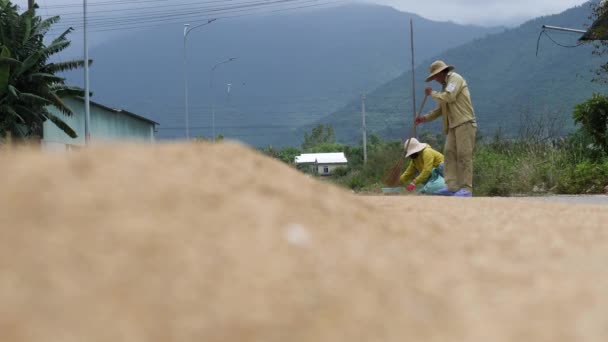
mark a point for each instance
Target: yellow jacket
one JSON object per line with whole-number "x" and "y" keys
{"x": 427, "y": 160}
{"x": 454, "y": 103}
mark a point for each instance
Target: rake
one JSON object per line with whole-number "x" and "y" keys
{"x": 391, "y": 177}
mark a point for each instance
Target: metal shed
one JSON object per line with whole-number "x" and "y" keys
{"x": 107, "y": 125}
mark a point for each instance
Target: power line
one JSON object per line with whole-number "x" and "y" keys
{"x": 104, "y": 3}
{"x": 230, "y": 127}
{"x": 544, "y": 31}
{"x": 168, "y": 15}
{"x": 143, "y": 9}
{"x": 161, "y": 15}
{"x": 249, "y": 12}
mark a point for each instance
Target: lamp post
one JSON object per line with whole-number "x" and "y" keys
{"x": 213, "y": 96}
{"x": 187, "y": 30}
{"x": 564, "y": 29}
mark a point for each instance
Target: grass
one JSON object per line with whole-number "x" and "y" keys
{"x": 538, "y": 162}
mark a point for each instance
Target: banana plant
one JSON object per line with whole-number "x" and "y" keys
{"x": 29, "y": 81}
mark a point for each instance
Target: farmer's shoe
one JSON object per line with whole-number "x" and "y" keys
{"x": 444, "y": 192}
{"x": 463, "y": 193}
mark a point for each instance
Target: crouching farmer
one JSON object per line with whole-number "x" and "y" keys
{"x": 423, "y": 160}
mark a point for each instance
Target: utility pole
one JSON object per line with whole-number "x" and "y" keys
{"x": 364, "y": 128}
{"x": 186, "y": 30}
{"x": 30, "y": 4}
{"x": 413, "y": 76}
{"x": 87, "y": 105}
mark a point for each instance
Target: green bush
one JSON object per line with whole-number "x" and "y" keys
{"x": 592, "y": 115}
{"x": 502, "y": 166}
{"x": 493, "y": 173}
{"x": 355, "y": 181}
{"x": 340, "y": 172}
{"x": 585, "y": 177}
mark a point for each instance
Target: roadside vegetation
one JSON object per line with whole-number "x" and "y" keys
{"x": 539, "y": 159}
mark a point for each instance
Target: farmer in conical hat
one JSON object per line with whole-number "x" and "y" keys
{"x": 459, "y": 125}
{"x": 424, "y": 160}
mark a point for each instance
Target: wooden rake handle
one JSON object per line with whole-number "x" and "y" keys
{"x": 419, "y": 112}
{"x": 414, "y": 124}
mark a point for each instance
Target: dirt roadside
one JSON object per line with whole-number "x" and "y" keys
{"x": 219, "y": 243}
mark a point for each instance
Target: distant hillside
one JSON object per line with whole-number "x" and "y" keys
{"x": 291, "y": 69}
{"x": 506, "y": 79}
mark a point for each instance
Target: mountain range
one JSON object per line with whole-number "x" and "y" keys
{"x": 510, "y": 83}
{"x": 290, "y": 71}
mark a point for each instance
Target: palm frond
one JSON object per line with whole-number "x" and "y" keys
{"x": 53, "y": 68}
{"x": 45, "y": 25}
{"x": 28, "y": 27}
{"x": 40, "y": 76}
{"x": 62, "y": 37}
{"x": 11, "y": 111}
{"x": 30, "y": 115}
{"x": 10, "y": 62}
{"x": 5, "y": 71}
{"x": 66, "y": 91}
{"x": 19, "y": 131}
{"x": 3, "y": 109}
{"x": 58, "y": 103}
{"x": 55, "y": 48}
{"x": 28, "y": 63}
{"x": 61, "y": 125}
{"x": 29, "y": 98}
{"x": 13, "y": 91}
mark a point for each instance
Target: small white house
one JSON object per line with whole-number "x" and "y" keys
{"x": 323, "y": 163}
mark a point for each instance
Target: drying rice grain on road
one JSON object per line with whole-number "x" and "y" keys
{"x": 218, "y": 243}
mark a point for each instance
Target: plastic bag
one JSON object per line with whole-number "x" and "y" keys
{"x": 435, "y": 183}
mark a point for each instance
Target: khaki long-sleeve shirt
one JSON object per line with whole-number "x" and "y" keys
{"x": 454, "y": 103}
{"x": 424, "y": 164}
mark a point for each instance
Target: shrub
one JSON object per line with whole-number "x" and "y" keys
{"x": 592, "y": 115}
{"x": 355, "y": 181}
{"x": 585, "y": 177}
{"x": 493, "y": 173}
{"x": 340, "y": 171}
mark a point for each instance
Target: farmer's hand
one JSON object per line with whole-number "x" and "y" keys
{"x": 419, "y": 120}
{"x": 428, "y": 91}
{"x": 411, "y": 187}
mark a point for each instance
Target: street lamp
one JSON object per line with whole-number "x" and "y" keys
{"x": 213, "y": 96}
{"x": 187, "y": 30}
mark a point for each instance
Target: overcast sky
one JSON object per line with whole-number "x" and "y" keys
{"x": 483, "y": 12}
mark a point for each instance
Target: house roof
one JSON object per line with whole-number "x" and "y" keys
{"x": 119, "y": 111}
{"x": 322, "y": 158}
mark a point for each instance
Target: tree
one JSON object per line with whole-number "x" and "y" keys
{"x": 596, "y": 35}
{"x": 592, "y": 115}
{"x": 321, "y": 134}
{"x": 288, "y": 154}
{"x": 28, "y": 80}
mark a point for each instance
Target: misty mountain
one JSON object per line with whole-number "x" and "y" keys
{"x": 290, "y": 70}
{"x": 507, "y": 80}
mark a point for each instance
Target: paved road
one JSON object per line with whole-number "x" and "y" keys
{"x": 573, "y": 199}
